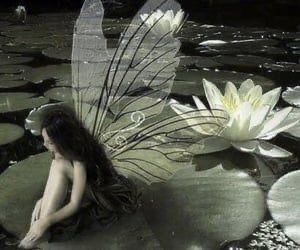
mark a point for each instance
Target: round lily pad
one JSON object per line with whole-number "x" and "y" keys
{"x": 284, "y": 202}
{"x": 13, "y": 101}
{"x": 13, "y": 59}
{"x": 203, "y": 209}
{"x": 63, "y": 53}
{"x": 198, "y": 61}
{"x": 12, "y": 83}
{"x": 13, "y": 69}
{"x": 23, "y": 48}
{"x": 10, "y": 132}
{"x": 283, "y": 66}
{"x": 60, "y": 94}
{"x": 187, "y": 88}
{"x": 15, "y": 207}
{"x": 60, "y": 72}
{"x": 295, "y": 130}
{"x": 35, "y": 117}
{"x": 54, "y": 40}
{"x": 243, "y": 60}
{"x": 292, "y": 95}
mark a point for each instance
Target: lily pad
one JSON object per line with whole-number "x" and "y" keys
{"x": 9, "y": 133}
{"x": 283, "y": 66}
{"x": 198, "y": 61}
{"x": 12, "y": 83}
{"x": 294, "y": 45}
{"x": 50, "y": 40}
{"x": 283, "y": 202}
{"x": 13, "y": 59}
{"x": 292, "y": 95}
{"x": 200, "y": 210}
{"x": 243, "y": 60}
{"x": 13, "y": 101}
{"x": 13, "y": 69}
{"x": 23, "y": 48}
{"x": 187, "y": 88}
{"x": 295, "y": 130}
{"x": 60, "y": 94}
{"x": 15, "y": 207}
{"x": 60, "y": 72}
{"x": 63, "y": 53}
{"x": 35, "y": 117}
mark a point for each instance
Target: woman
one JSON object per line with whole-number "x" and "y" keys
{"x": 82, "y": 182}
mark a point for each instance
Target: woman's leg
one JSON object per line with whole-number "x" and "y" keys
{"x": 55, "y": 192}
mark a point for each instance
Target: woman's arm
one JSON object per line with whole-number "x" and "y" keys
{"x": 78, "y": 188}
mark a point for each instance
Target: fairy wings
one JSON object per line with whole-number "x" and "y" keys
{"x": 120, "y": 94}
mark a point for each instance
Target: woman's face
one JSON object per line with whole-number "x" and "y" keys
{"x": 47, "y": 142}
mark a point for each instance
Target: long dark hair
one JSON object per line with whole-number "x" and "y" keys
{"x": 74, "y": 142}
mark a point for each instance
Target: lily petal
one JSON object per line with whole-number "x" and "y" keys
{"x": 213, "y": 95}
{"x": 245, "y": 87}
{"x": 271, "y": 98}
{"x": 273, "y": 122}
{"x": 210, "y": 145}
{"x": 261, "y": 148}
{"x": 199, "y": 103}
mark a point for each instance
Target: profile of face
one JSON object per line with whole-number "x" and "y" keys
{"x": 47, "y": 142}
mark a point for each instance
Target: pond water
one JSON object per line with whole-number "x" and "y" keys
{"x": 35, "y": 70}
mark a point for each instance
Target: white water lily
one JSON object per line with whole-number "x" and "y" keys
{"x": 164, "y": 22}
{"x": 292, "y": 96}
{"x": 252, "y": 119}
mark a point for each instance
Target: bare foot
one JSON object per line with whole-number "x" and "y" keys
{"x": 32, "y": 244}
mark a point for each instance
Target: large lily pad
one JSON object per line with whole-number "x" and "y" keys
{"x": 12, "y": 84}
{"x": 60, "y": 94}
{"x": 60, "y": 72}
{"x": 13, "y": 101}
{"x": 130, "y": 232}
{"x": 283, "y": 66}
{"x": 284, "y": 203}
{"x": 63, "y": 53}
{"x": 35, "y": 117}
{"x": 199, "y": 210}
{"x": 13, "y": 69}
{"x": 292, "y": 95}
{"x": 10, "y": 132}
{"x": 23, "y": 48}
{"x": 13, "y": 59}
{"x": 198, "y": 61}
{"x": 243, "y": 60}
{"x": 27, "y": 176}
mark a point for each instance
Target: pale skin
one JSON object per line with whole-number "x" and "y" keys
{"x": 49, "y": 209}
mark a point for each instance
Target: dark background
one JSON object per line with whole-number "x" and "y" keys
{"x": 282, "y": 14}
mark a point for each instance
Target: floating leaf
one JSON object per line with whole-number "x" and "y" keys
{"x": 12, "y": 83}
{"x": 243, "y": 60}
{"x": 9, "y": 133}
{"x": 203, "y": 209}
{"x": 60, "y": 72}
{"x": 35, "y": 117}
{"x": 13, "y": 59}
{"x": 13, "y": 101}
{"x": 15, "y": 207}
{"x": 292, "y": 95}
{"x": 63, "y": 53}
{"x": 13, "y": 69}
{"x": 23, "y": 48}
{"x": 284, "y": 202}
{"x": 60, "y": 94}
{"x": 283, "y": 66}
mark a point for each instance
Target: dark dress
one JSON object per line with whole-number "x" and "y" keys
{"x": 107, "y": 203}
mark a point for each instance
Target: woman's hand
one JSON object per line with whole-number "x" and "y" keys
{"x": 36, "y": 212}
{"x": 37, "y": 229}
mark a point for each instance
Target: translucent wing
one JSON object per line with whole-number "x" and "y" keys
{"x": 89, "y": 63}
{"x": 119, "y": 97}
